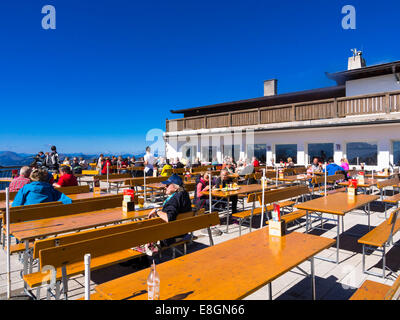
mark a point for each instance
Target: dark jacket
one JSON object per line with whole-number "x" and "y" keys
{"x": 179, "y": 203}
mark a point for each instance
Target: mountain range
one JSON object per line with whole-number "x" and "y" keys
{"x": 9, "y": 158}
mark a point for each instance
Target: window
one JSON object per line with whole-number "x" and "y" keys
{"x": 362, "y": 152}
{"x": 396, "y": 153}
{"x": 257, "y": 150}
{"x": 189, "y": 152}
{"x": 232, "y": 151}
{"x": 209, "y": 154}
{"x": 322, "y": 151}
{"x": 284, "y": 151}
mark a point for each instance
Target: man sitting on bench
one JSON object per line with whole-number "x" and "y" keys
{"x": 178, "y": 201}
{"x": 224, "y": 180}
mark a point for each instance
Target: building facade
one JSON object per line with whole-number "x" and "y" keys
{"x": 358, "y": 119}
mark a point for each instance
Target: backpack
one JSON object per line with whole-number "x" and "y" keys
{"x": 52, "y": 160}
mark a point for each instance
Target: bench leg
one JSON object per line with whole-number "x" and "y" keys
{"x": 210, "y": 236}
{"x": 313, "y": 279}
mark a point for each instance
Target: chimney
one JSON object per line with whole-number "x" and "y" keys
{"x": 356, "y": 61}
{"x": 270, "y": 87}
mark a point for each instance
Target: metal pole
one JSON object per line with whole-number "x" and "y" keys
{"x": 263, "y": 201}
{"x": 144, "y": 188}
{"x": 8, "y": 242}
{"x": 325, "y": 179}
{"x": 108, "y": 183}
{"x": 209, "y": 190}
{"x": 87, "y": 276}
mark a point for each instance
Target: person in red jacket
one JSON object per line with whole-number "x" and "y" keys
{"x": 256, "y": 163}
{"x": 106, "y": 163}
{"x": 67, "y": 179}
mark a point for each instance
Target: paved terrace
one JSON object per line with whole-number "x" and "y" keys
{"x": 333, "y": 282}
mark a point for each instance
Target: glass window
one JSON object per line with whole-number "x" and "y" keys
{"x": 257, "y": 150}
{"x": 362, "y": 152}
{"x": 396, "y": 153}
{"x": 232, "y": 151}
{"x": 189, "y": 152}
{"x": 284, "y": 151}
{"x": 209, "y": 154}
{"x": 322, "y": 151}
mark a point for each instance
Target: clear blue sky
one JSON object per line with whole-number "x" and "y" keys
{"x": 113, "y": 69}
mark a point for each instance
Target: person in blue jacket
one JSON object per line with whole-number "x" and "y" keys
{"x": 39, "y": 191}
{"x": 332, "y": 168}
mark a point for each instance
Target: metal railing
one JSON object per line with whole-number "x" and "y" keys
{"x": 385, "y": 102}
{"x": 6, "y": 172}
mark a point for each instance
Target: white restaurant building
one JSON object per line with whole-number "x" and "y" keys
{"x": 358, "y": 119}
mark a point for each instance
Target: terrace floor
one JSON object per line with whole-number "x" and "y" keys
{"x": 333, "y": 281}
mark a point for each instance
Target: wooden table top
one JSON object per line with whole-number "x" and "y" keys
{"x": 34, "y": 229}
{"x": 367, "y": 183}
{"x": 6, "y": 179}
{"x": 243, "y": 189}
{"x": 337, "y": 203}
{"x": 300, "y": 177}
{"x": 159, "y": 185}
{"x": 228, "y": 271}
{"x": 380, "y": 175}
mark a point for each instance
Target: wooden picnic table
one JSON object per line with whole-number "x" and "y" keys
{"x": 231, "y": 270}
{"x": 242, "y": 190}
{"x": 6, "y": 179}
{"x": 34, "y": 229}
{"x": 368, "y": 183}
{"x": 380, "y": 175}
{"x": 337, "y": 204}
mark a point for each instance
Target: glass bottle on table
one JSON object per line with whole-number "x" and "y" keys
{"x": 153, "y": 284}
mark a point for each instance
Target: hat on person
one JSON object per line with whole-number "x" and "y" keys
{"x": 175, "y": 179}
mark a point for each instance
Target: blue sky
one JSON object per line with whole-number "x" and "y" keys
{"x": 112, "y": 70}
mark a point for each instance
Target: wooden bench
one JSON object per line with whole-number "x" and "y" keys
{"x": 270, "y": 197}
{"x": 65, "y": 190}
{"x": 107, "y": 246}
{"x": 320, "y": 181}
{"x": 371, "y": 290}
{"x": 383, "y": 184}
{"x": 379, "y": 238}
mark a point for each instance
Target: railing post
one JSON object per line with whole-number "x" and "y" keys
{"x": 259, "y": 115}
{"x": 293, "y": 112}
{"x": 335, "y": 112}
{"x": 387, "y": 102}
{"x": 205, "y": 122}
{"x": 230, "y": 119}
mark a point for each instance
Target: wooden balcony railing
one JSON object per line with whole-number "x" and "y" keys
{"x": 314, "y": 110}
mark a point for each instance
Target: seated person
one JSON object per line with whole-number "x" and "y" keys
{"x": 18, "y": 182}
{"x": 332, "y": 168}
{"x": 76, "y": 166}
{"x": 67, "y": 179}
{"x": 290, "y": 163}
{"x": 202, "y": 201}
{"x": 178, "y": 201}
{"x": 223, "y": 181}
{"x": 247, "y": 169}
{"x": 39, "y": 191}
{"x": 166, "y": 169}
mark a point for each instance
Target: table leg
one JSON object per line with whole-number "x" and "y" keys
{"x": 338, "y": 238}
{"x": 227, "y": 215}
{"x": 25, "y": 262}
{"x": 307, "y": 218}
{"x": 270, "y": 290}
{"x": 313, "y": 279}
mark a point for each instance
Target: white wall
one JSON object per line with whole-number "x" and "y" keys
{"x": 383, "y": 135}
{"x": 371, "y": 85}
